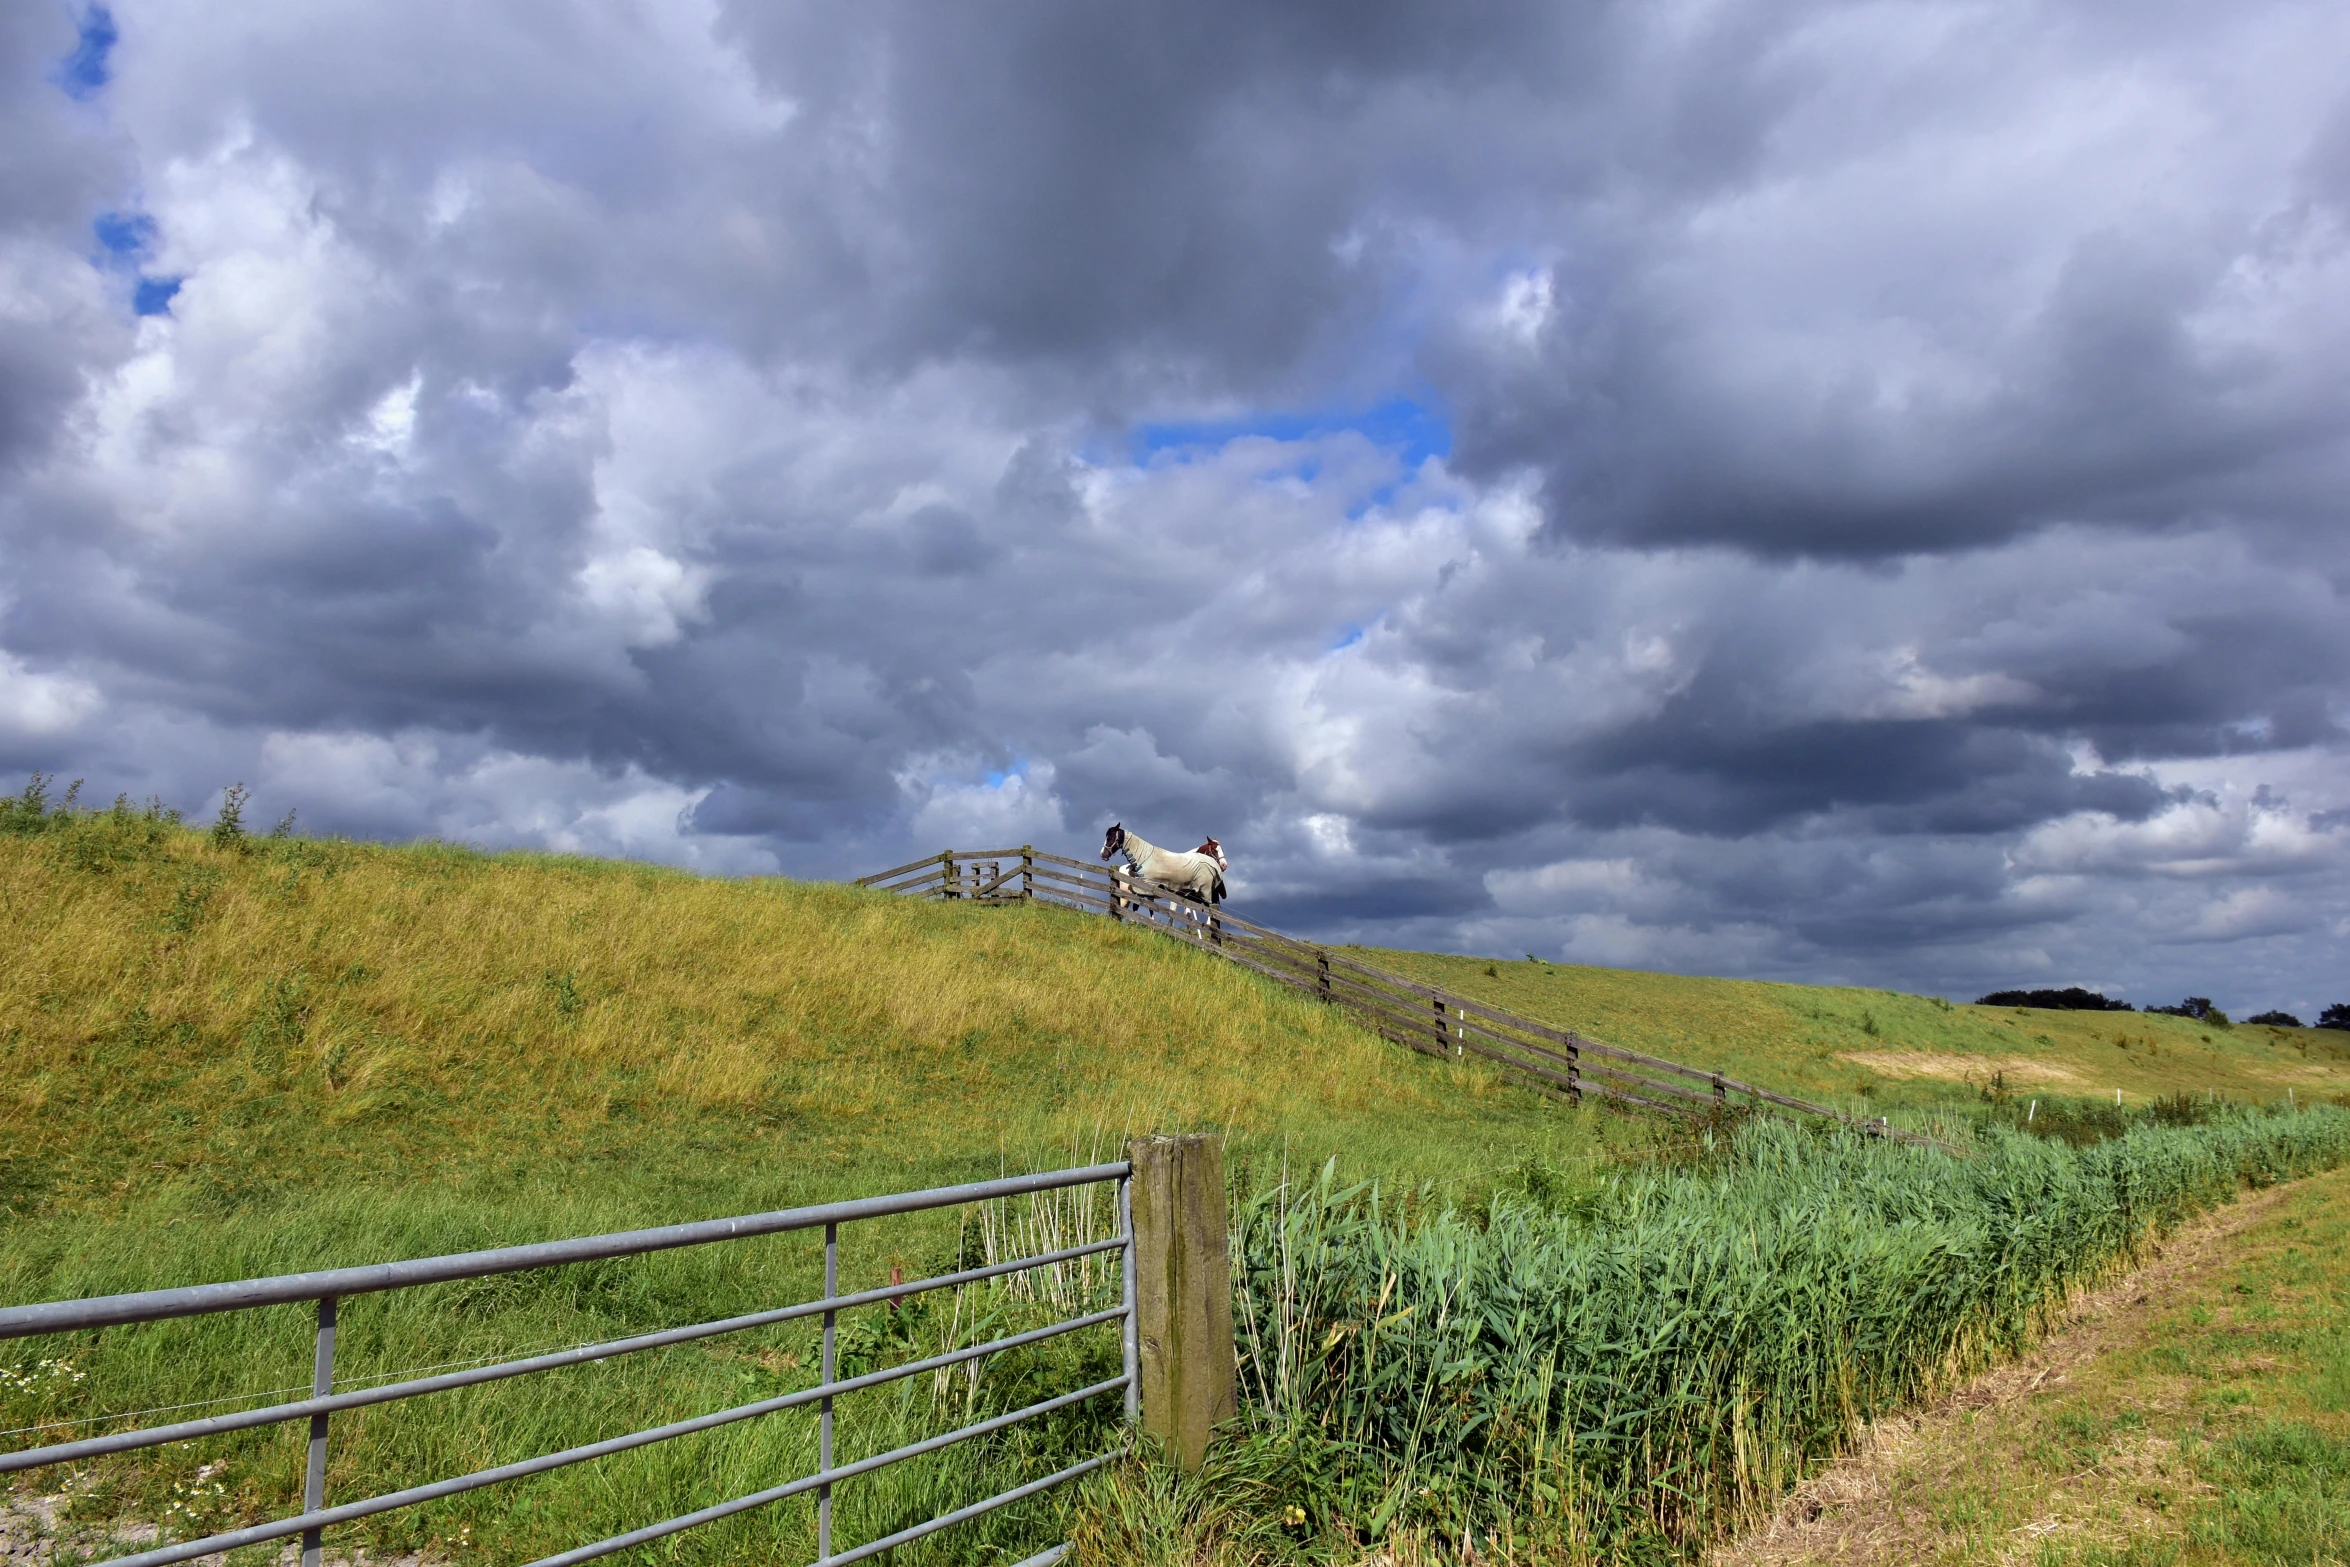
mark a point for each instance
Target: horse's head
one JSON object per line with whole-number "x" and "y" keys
{"x": 1214, "y": 851}
{"x": 1114, "y": 839}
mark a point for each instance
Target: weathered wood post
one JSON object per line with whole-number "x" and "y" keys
{"x": 1574, "y": 1074}
{"x": 1721, "y": 1092}
{"x": 1443, "y": 1031}
{"x": 1183, "y": 1292}
{"x": 1322, "y": 962}
{"x": 950, "y": 879}
{"x": 1028, "y": 873}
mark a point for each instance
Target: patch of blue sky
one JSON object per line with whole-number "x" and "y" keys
{"x": 997, "y": 778}
{"x": 1413, "y": 428}
{"x": 1347, "y": 638}
{"x": 125, "y": 236}
{"x": 154, "y": 295}
{"x": 90, "y": 66}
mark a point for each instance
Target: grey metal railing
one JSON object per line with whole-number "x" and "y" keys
{"x": 327, "y": 1288}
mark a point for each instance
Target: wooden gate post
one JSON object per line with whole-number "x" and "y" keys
{"x": 1182, "y": 1292}
{"x": 1028, "y": 872}
{"x": 950, "y": 879}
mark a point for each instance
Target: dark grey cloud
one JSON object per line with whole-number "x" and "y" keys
{"x": 1891, "y": 529}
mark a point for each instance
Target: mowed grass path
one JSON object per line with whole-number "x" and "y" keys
{"x": 1873, "y": 1050}
{"x": 2201, "y": 1415}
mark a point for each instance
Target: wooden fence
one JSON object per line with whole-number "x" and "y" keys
{"x": 1428, "y": 1018}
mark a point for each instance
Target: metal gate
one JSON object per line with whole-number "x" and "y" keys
{"x": 326, "y": 1288}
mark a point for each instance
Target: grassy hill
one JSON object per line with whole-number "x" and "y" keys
{"x": 220, "y": 1059}
{"x": 1878, "y": 1051}
{"x": 223, "y": 1056}
{"x": 227, "y": 1020}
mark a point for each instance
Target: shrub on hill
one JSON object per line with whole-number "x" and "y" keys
{"x": 2071, "y": 999}
{"x": 2335, "y": 1016}
{"x": 2197, "y": 1007}
{"x": 2275, "y": 1019}
{"x": 28, "y": 812}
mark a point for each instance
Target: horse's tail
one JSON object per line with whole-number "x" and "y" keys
{"x": 1218, "y": 895}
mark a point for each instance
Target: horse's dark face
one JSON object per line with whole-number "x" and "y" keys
{"x": 1113, "y": 840}
{"x": 1214, "y": 851}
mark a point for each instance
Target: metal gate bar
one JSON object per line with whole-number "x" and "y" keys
{"x": 327, "y": 1287}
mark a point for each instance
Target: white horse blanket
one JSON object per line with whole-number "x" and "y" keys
{"x": 1194, "y": 876}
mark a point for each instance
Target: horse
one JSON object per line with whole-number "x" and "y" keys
{"x": 1195, "y": 876}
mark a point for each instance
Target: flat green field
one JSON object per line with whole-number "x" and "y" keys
{"x": 1875, "y": 1051}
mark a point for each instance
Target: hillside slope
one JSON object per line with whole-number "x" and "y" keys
{"x": 1877, "y": 1050}
{"x": 292, "y": 1015}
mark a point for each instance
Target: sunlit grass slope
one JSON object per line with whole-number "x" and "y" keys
{"x": 288, "y": 1014}
{"x": 221, "y": 1057}
{"x": 1876, "y": 1049}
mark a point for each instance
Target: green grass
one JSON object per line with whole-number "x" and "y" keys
{"x": 2205, "y": 1422}
{"x": 227, "y": 1056}
{"x": 1878, "y": 1051}
{"x": 224, "y": 1056}
{"x": 291, "y": 1016}
{"x": 1628, "y": 1372}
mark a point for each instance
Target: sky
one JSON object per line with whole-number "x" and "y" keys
{"x": 1841, "y": 492}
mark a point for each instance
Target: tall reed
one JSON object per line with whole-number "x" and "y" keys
{"x": 1634, "y": 1367}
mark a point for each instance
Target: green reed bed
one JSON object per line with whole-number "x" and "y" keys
{"x": 1626, "y": 1370}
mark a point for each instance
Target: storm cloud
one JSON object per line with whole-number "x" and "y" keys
{"x": 1820, "y": 491}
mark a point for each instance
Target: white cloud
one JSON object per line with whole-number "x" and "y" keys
{"x": 2207, "y": 835}
{"x": 1002, "y": 812}
{"x": 1863, "y": 502}
{"x": 644, "y": 593}
{"x": 36, "y": 704}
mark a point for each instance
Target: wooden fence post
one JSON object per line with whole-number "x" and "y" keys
{"x": 951, "y": 883}
{"x": 1443, "y": 1032}
{"x": 1183, "y": 1292}
{"x": 1028, "y": 873}
{"x": 1322, "y": 960}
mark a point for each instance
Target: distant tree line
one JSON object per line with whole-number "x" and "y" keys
{"x": 2074, "y": 999}
{"x": 2071, "y": 999}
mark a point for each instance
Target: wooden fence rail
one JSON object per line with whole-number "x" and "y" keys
{"x": 1427, "y": 1018}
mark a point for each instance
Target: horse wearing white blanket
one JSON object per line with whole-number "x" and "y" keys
{"x": 1194, "y": 876}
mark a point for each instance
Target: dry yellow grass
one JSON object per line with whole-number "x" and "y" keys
{"x": 1976, "y": 1071}
{"x": 286, "y": 1009}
